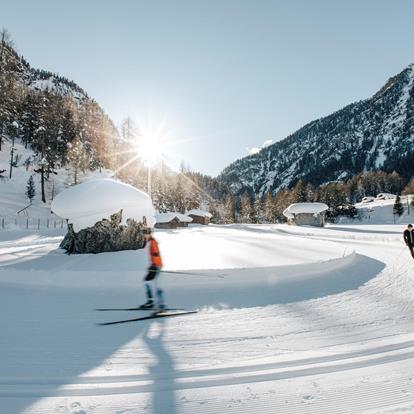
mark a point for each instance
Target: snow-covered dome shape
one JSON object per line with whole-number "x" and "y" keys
{"x": 304, "y": 208}
{"x": 87, "y": 203}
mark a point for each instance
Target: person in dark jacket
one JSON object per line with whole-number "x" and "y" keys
{"x": 153, "y": 272}
{"x": 409, "y": 238}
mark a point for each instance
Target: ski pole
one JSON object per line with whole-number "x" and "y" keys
{"x": 190, "y": 273}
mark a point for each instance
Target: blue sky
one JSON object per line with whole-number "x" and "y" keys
{"x": 226, "y": 76}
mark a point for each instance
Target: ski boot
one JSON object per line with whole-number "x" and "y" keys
{"x": 149, "y": 304}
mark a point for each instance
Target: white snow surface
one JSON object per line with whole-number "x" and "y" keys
{"x": 381, "y": 212}
{"x": 87, "y": 203}
{"x": 298, "y": 208}
{"x": 291, "y": 320}
{"x": 167, "y": 217}
{"x": 12, "y": 191}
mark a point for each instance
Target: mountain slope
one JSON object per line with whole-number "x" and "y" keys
{"x": 376, "y": 133}
{"x": 38, "y": 79}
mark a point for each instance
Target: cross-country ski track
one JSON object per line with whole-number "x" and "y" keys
{"x": 291, "y": 320}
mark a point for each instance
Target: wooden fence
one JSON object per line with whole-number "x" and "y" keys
{"x": 31, "y": 223}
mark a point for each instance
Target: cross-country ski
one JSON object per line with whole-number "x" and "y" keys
{"x": 154, "y": 315}
{"x": 139, "y": 308}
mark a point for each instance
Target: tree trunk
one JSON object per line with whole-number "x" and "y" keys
{"x": 11, "y": 158}
{"x": 42, "y": 174}
{"x": 11, "y": 162}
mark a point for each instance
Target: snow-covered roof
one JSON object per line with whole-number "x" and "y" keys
{"x": 386, "y": 196}
{"x": 87, "y": 203}
{"x": 309, "y": 208}
{"x": 167, "y": 217}
{"x": 200, "y": 213}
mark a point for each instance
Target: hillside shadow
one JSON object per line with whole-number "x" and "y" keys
{"x": 241, "y": 288}
{"x": 34, "y": 258}
{"x": 369, "y": 231}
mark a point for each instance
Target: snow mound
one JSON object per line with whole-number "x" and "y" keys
{"x": 87, "y": 203}
{"x": 301, "y": 208}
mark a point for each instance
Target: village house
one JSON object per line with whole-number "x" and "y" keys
{"x": 306, "y": 214}
{"x": 200, "y": 216}
{"x": 171, "y": 220}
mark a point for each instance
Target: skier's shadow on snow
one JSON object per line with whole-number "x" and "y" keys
{"x": 162, "y": 371}
{"x": 52, "y": 335}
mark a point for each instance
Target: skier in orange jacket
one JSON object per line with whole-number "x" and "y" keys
{"x": 153, "y": 273}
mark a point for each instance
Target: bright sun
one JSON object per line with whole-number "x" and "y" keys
{"x": 151, "y": 149}
{"x": 152, "y": 143}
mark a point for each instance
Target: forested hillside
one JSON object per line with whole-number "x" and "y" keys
{"x": 371, "y": 135}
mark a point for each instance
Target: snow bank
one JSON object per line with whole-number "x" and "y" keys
{"x": 87, "y": 203}
{"x": 301, "y": 208}
{"x": 167, "y": 217}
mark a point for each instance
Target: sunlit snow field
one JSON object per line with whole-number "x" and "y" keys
{"x": 291, "y": 319}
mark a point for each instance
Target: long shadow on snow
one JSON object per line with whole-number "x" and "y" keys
{"x": 49, "y": 338}
{"x": 162, "y": 372}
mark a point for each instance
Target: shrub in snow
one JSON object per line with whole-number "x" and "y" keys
{"x": 398, "y": 208}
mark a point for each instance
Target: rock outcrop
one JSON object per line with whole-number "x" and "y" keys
{"x": 105, "y": 236}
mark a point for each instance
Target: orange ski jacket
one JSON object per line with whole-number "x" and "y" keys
{"x": 154, "y": 252}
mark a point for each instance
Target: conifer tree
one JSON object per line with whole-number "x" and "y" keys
{"x": 78, "y": 157}
{"x": 409, "y": 188}
{"x": 300, "y": 192}
{"x": 256, "y": 215}
{"x": 245, "y": 208}
{"x": 269, "y": 208}
{"x": 229, "y": 214}
{"x": 30, "y": 189}
{"x": 398, "y": 208}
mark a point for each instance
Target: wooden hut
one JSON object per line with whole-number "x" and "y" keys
{"x": 306, "y": 214}
{"x": 171, "y": 220}
{"x": 200, "y": 216}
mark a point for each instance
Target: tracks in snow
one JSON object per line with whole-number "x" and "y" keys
{"x": 190, "y": 379}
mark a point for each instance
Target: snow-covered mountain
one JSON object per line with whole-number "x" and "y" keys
{"x": 376, "y": 133}
{"x": 41, "y": 80}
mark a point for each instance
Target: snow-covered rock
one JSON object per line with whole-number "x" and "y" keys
{"x": 87, "y": 203}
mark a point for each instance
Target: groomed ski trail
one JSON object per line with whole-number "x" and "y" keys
{"x": 351, "y": 351}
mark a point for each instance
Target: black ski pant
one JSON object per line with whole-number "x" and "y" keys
{"x": 411, "y": 247}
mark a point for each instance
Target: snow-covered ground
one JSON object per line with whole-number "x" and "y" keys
{"x": 291, "y": 320}
{"x": 13, "y": 199}
{"x": 381, "y": 212}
